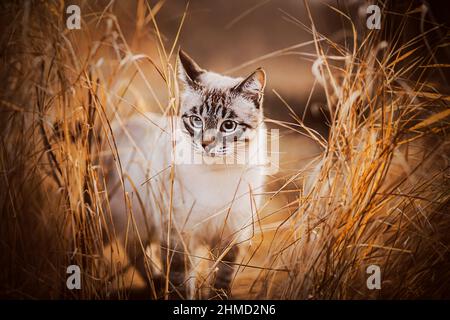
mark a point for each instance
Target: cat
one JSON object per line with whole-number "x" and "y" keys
{"x": 193, "y": 179}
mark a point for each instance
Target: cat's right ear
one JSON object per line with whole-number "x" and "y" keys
{"x": 188, "y": 70}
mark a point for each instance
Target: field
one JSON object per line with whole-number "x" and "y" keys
{"x": 364, "y": 148}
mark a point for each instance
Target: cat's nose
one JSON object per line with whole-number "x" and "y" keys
{"x": 206, "y": 143}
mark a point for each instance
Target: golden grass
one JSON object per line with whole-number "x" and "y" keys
{"x": 378, "y": 193}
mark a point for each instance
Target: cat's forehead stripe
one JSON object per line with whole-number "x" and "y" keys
{"x": 224, "y": 112}
{"x": 230, "y": 114}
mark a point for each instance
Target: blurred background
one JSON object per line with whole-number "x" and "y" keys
{"x": 236, "y": 37}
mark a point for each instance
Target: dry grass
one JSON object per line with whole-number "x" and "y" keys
{"x": 378, "y": 193}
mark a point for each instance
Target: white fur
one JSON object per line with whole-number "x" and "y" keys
{"x": 212, "y": 202}
{"x": 214, "y": 80}
{"x": 204, "y": 195}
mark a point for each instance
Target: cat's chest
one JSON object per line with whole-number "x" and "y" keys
{"x": 213, "y": 188}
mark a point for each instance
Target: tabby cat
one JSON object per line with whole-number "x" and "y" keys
{"x": 193, "y": 179}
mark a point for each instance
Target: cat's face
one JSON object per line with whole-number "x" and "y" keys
{"x": 220, "y": 114}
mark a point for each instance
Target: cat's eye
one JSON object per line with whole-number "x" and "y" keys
{"x": 228, "y": 126}
{"x": 196, "y": 122}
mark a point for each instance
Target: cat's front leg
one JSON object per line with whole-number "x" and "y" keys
{"x": 176, "y": 265}
{"x": 225, "y": 271}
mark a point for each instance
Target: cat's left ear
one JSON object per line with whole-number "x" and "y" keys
{"x": 253, "y": 86}
{"x": 188, "y": 70}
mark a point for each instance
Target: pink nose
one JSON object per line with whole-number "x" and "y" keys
{"x": 206, "y": 143}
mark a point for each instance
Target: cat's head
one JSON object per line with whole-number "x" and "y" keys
{"x": 220, "y": 114}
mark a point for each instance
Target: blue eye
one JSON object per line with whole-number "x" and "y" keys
{"x": 228, "y": 126}
{"x": 196, "y": 122}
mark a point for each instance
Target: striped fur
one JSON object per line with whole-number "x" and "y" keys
{"x": 214, "y": 99}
